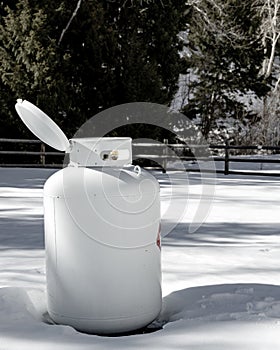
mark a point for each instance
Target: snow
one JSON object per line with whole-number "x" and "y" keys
{"x": 220, "y": 281}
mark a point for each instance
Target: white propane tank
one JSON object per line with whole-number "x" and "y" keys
{"x": 102, "y": 221}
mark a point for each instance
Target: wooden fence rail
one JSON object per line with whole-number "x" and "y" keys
{"x": 161, "y": 153}
{"x": 39, "y": 161}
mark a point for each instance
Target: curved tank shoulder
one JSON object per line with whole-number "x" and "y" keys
{"x": 126, "y": 181}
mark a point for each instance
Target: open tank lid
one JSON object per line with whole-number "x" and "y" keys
{"x": 42, "y": 125}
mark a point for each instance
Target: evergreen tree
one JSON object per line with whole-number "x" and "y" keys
{"x": 225, "y": 55}
{"x": 111, "y": 53}
{"x": 28, "y": 57}
{"x": 124, "y": 52}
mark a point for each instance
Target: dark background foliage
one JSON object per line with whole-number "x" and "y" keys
{"x": 112, "y": 53}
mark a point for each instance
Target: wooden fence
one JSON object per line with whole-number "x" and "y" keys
{"x": 32, "y": 158}
{"x": 163, "y": 155}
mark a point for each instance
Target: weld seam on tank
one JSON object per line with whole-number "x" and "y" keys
{"x": 99, "y": 195}
{"x": 103, "y": 319}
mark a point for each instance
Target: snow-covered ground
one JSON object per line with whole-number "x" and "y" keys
{"x": 221, "y": 283}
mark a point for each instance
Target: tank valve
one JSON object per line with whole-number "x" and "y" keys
{"x": 137, "y": 169}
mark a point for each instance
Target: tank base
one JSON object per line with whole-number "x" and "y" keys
{"x": 113, "y": 326}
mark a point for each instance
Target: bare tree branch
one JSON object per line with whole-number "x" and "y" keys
{"x": 70, "y": 21}
{"x": 217, "y": 21}
{"x": 270, "y": 32}
{"x": 268, "y": 128}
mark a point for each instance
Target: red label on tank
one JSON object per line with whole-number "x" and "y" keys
{"x": 158, "y": 237}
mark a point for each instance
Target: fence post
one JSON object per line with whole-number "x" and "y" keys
{"x": 164, "y": 153}
{"x": 226, "y": 170}
{"x": 43, "y": 156}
